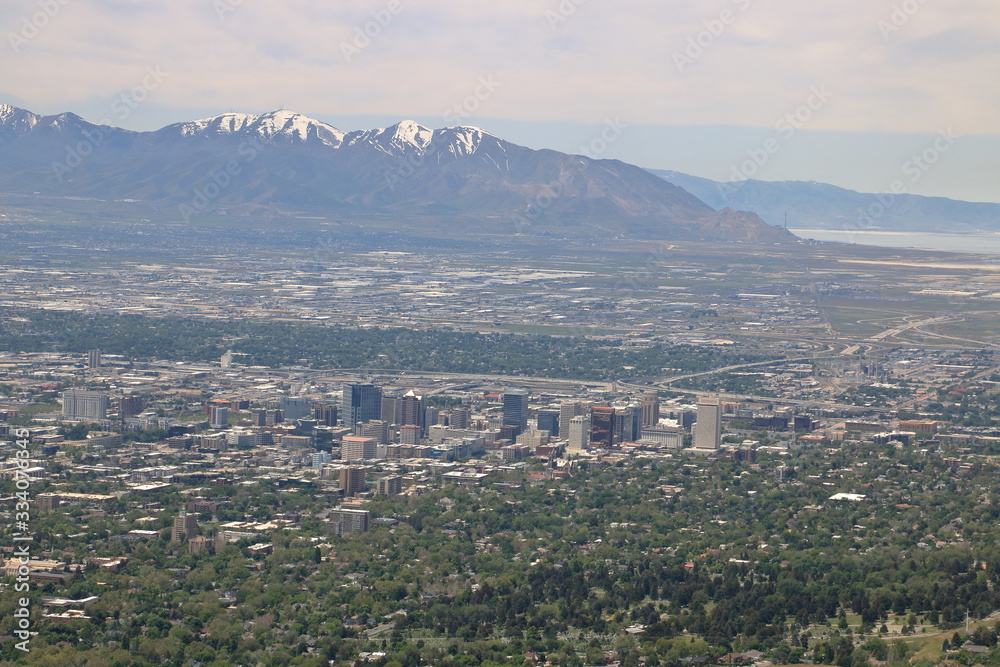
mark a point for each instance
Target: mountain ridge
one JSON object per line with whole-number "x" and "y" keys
{"x": 282, "y": 163}
{"x": 815, "y": 205}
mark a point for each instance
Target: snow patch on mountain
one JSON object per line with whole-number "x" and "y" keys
{"x": 281, "y": 124}
{"x": 16, "y": 119}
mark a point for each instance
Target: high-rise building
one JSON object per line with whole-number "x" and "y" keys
{"x": 226, "y": 360}
{"x": 129, "y": 406}
{"x": 602, "y": 426}
{"x": 392, "y": 410}
{"x": 83, "y": 404}
{"x": 319, "y": 459}
{"x": 94, "y": 359}
{"x": 515, "y": 408}
{"x": 409, "y": 435}
{"x": 578, "y": 433}
{"x": 568, "y": 410}
{"x": 343, "y": 521}
{"x": 412, "y": 410}
{"x": 357, "y": 448}
{"x": 218, "y": 416}
{"x": 431, "y": 416}
{"x": 325, "y": 415}
{"x": 708, "y": 428}
{"x": 185, "y": 526}
{"x": 390, "y": 486}
{"x": 352, "y": 480}
{"x": 459, "y": 417}
{"x": 295, "y": 407}
{"x": 362, "y": 403}
{"x": 377, "y": 430}
{"x": 548, "y": 420}
{"x": 650, "y": 409}
{"x": 628, "y": 424}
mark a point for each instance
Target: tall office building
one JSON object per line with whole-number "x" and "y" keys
{"x": 129, "y": 406}
{"x": 357, "y": 448}
{"x": 409, "y": 435}
{"x": 392, "y": 409}
{"x": 628, "y": 424}
{"x": 94, "y": 359}
{"x": 352, "y": 480}
{"x": 432, "y": 416}
{"x": 343, "y": 521}
{"x": 266, "y": 417}
{"x": 602, "y": 426}
{"x": 377, "y": 430}
{"x": 319, "y": 459}
{"x": 708, "y": 428}
{"x": 571, "y": 409}
{"x": 650, "y": 409}
{"x": 411, "y": 410}
{"x": 390, "y": 486}
{"x": 362, "y": 403}
{"x": 185, "y": 526}
{"x": 218, "y": 416}
{"x": 295, "y": 407}
{"x": 459, "y": 417}
{"x": 83, "y": 404}
{"x": 579, "y": 433}
{"x": 515, "y": 408}
{"x": 548, "y": 420}
{"x": 325, "y": 415}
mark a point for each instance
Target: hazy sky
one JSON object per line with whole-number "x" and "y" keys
{"x": 845, "y": 91}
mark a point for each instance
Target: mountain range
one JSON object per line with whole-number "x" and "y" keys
{"x": 812, "y": 205}
{"x": 455, "y": 180}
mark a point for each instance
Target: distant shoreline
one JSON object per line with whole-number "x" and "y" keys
{"x": 974, "y": 243}
{"x": 887, "y": 233}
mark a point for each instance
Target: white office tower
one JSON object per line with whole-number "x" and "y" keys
{"x": 708, "y": 428}
{"x": 82, "y": 404}
{"x": 218, "y": 416}
{"x": 567, "y": 411}
{"x": 319, "y": 459}
{"x": 579, "y": 434}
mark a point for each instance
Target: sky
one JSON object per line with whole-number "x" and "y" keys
{"x": 865, "y": 94}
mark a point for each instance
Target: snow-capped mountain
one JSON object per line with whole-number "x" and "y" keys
{"x": 278, "y": 125}
{"x": 14, "y": 121}
{"x": 282, "y": 163}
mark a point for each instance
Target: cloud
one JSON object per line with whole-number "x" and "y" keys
{"x": 558, "y": 60}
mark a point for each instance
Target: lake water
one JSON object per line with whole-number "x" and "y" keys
{"x": 975, "y": 243}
